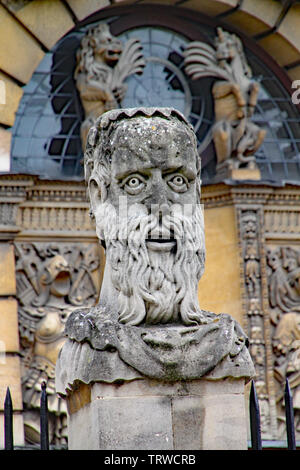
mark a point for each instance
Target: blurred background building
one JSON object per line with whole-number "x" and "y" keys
{"x": 50, "y": 262}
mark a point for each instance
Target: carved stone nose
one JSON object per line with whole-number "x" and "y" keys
{"x": 159, "y": 210}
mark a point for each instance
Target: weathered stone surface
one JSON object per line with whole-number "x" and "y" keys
{"x": 109, "y": 351}
{"x": 255, "y": 16}
{"x": 121, "y": 425}
{"x": 10, "y": 370}
{"x": 294, "y": 74}
{"x": 224, "y": 425}
{"x": 154, "y": 431}
{"x": 86, "y": 8}
{"x": 48, "y": 20}
{"x": 153, "y": 415}
{"x": 152, "y": 387}
{"x": 222, "y": 256}
{"x": 9, "y": 326}
{"x": 289, "y": 27}
{"x": 280, "y": 49}
{"x": 81, "y": 362}
{"x": 148, "y": 321}
{"x": 7, "y": 270}
{"x": 210, "y": 7}
{"x": 143, "y": 174}
{"x": 188, "y": 413}
{"x": 13, "y": 95}
{"x": 5, "y": 142}
{"x": 18, "y": 57}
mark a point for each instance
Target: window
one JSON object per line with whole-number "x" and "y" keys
{"x": 46, "y": 134}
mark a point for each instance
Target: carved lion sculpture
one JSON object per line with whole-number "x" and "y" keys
{"x": 103, "y": 64}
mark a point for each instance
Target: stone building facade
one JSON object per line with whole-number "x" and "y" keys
{"x": 50, "y": 260}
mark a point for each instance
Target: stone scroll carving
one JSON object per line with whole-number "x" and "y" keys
{"x": 103, "y": 65}
{"x": 284, "y": 300}
{"x": 52, "y": 280}
{"x": 235, "y": 136}
{"x": 143, "y": 174}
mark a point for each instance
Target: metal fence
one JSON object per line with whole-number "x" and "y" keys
{"x": 8, "y": 421}
{"x": 255, "y": 428}
{"x": 256, "y": 442}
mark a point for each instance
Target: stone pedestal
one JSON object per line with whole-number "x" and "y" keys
{"x": 151, "y": 415}
{"x": 227, "y": 172}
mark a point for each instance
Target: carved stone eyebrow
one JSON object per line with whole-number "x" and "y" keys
{"x": 184, "y": 169}
{"x": 133, "y": 171}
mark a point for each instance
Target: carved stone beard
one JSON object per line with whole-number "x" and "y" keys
{"x": 154, "y": 286}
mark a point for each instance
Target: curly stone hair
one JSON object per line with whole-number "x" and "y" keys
{"x": 97, "y": 157}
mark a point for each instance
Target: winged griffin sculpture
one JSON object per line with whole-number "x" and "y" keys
{"x": 236, "y": 137}
{"x": 103, "y": 65}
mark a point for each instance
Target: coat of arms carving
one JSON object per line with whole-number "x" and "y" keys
{"x": 52, "y": 280}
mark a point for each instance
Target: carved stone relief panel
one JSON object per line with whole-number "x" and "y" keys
{"x": 250, "y": 225}
{"x": 53, "y": 278}
{"x": 284, "y": 303}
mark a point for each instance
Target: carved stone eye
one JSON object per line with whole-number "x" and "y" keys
{"x": 134, "y": 184}
{"x": 178, "y": 180}
{"x": 178, "y": 183}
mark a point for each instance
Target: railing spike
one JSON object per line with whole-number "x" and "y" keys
{"x": 44, "y": 419}
{"x": 8, "y": 422}
{"x": 256, "y": 443}
{"x": 289, "y": 414}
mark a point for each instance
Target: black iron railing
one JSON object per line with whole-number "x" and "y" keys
{"x": 289, "y": 413}
{"x": 255, "y": 428}
{"x": 44, "y": 419}
{"x": 256, "y": 442}
{"x": 8, "y": 421}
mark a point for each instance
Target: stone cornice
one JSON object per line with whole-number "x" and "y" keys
{"x": 223, "y": 194}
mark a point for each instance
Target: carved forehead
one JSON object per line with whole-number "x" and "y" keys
{"x": 141, "y": 132}
{"x": 155, "y": 132}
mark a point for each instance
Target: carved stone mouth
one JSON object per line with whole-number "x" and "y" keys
{"x": 113, "y": 52}
{"x": 61, "y": 283}
{"x": 161, "y": 244}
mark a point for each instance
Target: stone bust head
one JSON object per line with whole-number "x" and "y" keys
{"x": 143, "y": 174}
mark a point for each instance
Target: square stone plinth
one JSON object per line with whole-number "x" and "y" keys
{"x": 151, "y": 415}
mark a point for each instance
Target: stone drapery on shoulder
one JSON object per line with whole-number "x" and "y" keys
{"x": 99, "y": 349}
